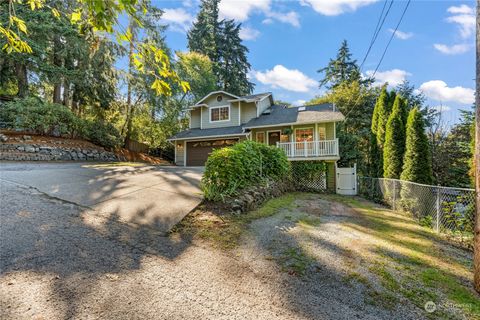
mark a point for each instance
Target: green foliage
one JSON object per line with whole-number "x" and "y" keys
{"x": 43, "y": 118}
{"x": 246, "y": 163}
{"x": 394, "y": 147}
{"x": 380, "y": 116}
{"x": 196, "y": 69}
{"x": 34, "y": 115}
{"x": 220, "y": 41}
{"x": 102, "y": 133}
{"x": 308, "y": 169}
{"x": 417, "y": 163}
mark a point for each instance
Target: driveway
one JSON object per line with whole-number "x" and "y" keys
{"x": 157, "y": 197}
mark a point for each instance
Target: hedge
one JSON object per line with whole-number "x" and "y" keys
{"x": 52, "y": 119}
{"x": 246, "y": 163}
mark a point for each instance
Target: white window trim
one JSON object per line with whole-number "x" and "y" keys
{"x": 295, "y": 133}
{"x": 218, "y": 107}
{"x": 264, "y": 136}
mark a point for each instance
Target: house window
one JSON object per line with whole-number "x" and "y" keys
{"x": 284, "y": 138}
{"x": 261, "y": 137}
{"x": 305, "y": 134}
{"x": 322, "y": 133}
{"x": 220, "y": 114}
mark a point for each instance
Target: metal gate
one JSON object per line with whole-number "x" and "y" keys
{"x": 346, "y": 180}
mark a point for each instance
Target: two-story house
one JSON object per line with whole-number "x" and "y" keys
{"x": 221, "y": 119}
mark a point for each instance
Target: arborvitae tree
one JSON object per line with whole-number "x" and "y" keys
{"x": 417, "y": 165}
{"x": 394, "y": 147}
{"x": 204, "y": 35}
{"x": 379, "y": 122}
{"x": 234, "y": 64}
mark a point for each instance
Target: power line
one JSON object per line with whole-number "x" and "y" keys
{"x": 391, "y": 38}
{"x": 376, "y": 32}
{"x": 384, "y": 52}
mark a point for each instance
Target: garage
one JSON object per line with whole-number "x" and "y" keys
{"x": 198, "y": 151}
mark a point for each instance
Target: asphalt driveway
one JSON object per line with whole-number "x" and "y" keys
{"x": 156, "y": 197}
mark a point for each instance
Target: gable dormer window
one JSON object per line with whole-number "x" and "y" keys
{"x": 219, "y": 113}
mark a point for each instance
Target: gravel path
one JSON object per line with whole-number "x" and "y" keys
{"x": 60, "y": 261}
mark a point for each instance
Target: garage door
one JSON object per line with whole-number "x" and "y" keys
{"x": 198, "y": 151}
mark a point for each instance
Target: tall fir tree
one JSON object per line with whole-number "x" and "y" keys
{"x": 341, "y": 69}
{"x": 220, "y": 41}
{"x": 417, "y": 166}
{"x": 234, "y": 64}
{"x": 204, "y": 35}
{"x": 394, "y": 147}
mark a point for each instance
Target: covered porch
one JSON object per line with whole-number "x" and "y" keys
{"x": 316, "y": 141}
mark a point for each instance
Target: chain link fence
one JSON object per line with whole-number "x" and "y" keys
{"x": 448, "y": 211}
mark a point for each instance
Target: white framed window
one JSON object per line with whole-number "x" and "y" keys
{"x": 221, "y": 113}
{"x": 304, "y": 134}
{"x": 261, "y": 137}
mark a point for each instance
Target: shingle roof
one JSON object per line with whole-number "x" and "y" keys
{"x": 282, "y": 115}
{"x": 205, "y": 133}
{"x": 257, "y": 96}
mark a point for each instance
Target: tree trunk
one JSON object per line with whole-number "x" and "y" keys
{"x": 130, "y": 106}
{"x": 57, "y": 61}
{"x": 476, "y": 244}
{"x": 22, "y": 79}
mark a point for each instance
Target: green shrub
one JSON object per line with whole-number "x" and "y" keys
{"x": 244, "y": 164}
{"x": 40, "y": 117}
{"x": 36, "y": 116}
{"x": 102, "y": 133}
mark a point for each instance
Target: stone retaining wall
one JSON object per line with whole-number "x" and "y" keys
{"x": 38, "y": 152}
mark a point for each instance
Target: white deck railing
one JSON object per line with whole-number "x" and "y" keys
{"x": 309, "y": 149}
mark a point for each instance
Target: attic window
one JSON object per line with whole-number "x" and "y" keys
{"x": 301, "y": 109}
{"x": 219, "y": 98}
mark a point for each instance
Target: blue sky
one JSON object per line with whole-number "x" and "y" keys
{"x": 290, "y": 40}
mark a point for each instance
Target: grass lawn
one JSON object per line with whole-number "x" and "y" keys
{"x": 394, "y": 261}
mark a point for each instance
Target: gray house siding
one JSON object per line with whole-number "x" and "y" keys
{"x": 212, "y": 102}
{"x": 195, "y": 118}
{"x": 248, "y": 111}
{"x": 262, "y": 105}
{"x": 179, "y": 153}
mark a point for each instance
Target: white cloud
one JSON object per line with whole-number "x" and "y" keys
{"x": 247, "y": 33}
{"x": 288, "y": 79}
{"x": 463, "y": 9}
{"x": 401, "y": 35}
{"x": 289, "y": 17}
{"x": 335, "y": 7}
{"x": 394, "y": 77}
{"x": 179, "y": 19}
{"x": 452, "y": 50}
{"x": 267, "y": 21}
{"x": 438, "y": 90}
{"x": 299, "y": 102}
{"x": 464, "y": 17}
{"x": 441, "y": 108}
{"x": 240, "y": 10}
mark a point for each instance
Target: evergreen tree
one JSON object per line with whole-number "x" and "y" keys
{"x": 417, "y": 165}
{"x": 234, "y": 65}
{"x": 204, "y": 35}
{"x": 341, "y": 69}
{"x": 220, "y": 41}
{"x": 394, "y": 147}
{"x": 379, "y": 121}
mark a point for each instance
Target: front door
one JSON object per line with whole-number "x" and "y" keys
{"x": 273, "y": 138}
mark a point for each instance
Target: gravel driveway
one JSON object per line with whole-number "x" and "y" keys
{"x": 61, "y": 261}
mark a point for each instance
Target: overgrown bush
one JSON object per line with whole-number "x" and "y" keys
{"x": 32, "y": 114}
{"x": 102, "y": 133}
{"x": 36, "y": 116}
{"x": 244, "y": 164}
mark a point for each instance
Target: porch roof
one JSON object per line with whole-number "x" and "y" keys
{"x": 197, "y": 133}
